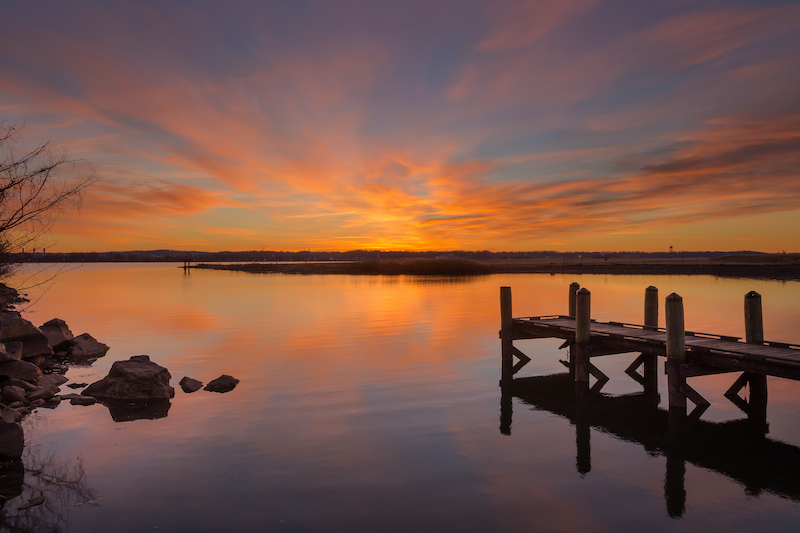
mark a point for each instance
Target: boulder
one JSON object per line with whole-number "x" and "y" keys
{"x": 86, "y": 347}
{"x": 58, "y": 334}
{"x": 10, "y": 351}
{"x": 22, "y": 370}
{"x": 136, "y": 380}
{"x": 20, "y": 383}
{"x": 224, "y": 383}
{"x": 190, "y": 385}
{"x": 12, "y": 394}
{"x": 52, "y": 379}
{"x": 45, "y": 392}
{"x": 14, "y": 328}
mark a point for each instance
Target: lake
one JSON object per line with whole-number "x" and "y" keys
{"x": 372, "y": 404}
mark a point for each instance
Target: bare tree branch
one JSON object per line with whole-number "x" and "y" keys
{"x": 35, "y": 187}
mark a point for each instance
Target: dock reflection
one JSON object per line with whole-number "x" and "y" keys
{"x": 738, "y": 449}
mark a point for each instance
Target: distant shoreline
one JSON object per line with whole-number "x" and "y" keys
{"x": 728, "y": 270}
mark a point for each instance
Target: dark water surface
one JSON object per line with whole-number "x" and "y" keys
{"x": 372, "y": 404}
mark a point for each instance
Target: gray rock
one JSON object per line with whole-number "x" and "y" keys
{"x": 58, "y": 334}
{"x": 22, "y": 370}
{"x": 12, "y": 394}
{"x": 224, "y": 383}
{"x": 12, "y": 440}
{"x": 138, "y": 379}
{"x": 190, "y": 385}
{"x": 14, "y": 328}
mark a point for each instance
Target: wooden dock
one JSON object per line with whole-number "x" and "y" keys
{"x": 688, "y": 353}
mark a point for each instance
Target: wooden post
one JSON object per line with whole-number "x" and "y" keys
{"x": 754, "y": 334}
{"x": 507, "y": 342}
{"x": 650, "y": 360}
{"x": 582, "y": 337}
{"x": 753, "y": 322}
{"x": 676, "y": 353}
{"x": 651, "y": 307}
{"x": 573, "y": 288}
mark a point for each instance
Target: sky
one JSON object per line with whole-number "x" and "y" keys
{"x": 476, "y": 125}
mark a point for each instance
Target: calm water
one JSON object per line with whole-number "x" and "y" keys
{"x": 372, "y": 404}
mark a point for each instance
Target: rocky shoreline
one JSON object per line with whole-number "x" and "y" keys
{"x": 33, "y": 361}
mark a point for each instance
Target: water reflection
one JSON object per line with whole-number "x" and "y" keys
{"x": 130, "y": 411}
{"x": 738, "y": 448}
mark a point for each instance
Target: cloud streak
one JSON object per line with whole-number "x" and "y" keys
{"x": 503, "y": 125}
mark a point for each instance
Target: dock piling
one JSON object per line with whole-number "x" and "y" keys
{"x": 676, "y": 354}
{"x": 650, "y": 360}
{"x": 573, "y": 289}
{"x": 583, "y": 305}
{"x": 507, "y": 346}
{"x": 754, "y": 334}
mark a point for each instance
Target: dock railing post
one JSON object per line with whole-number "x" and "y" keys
{"x": 754, "y": 334}
{"x": 505, "y": 336}
{"x": 582, "y": 337}
{"x": 650, "y": 360}
{"x": 676, "y": 355}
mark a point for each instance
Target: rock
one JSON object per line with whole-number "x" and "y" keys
{"x": 10, "y": 351}
{"x": 39, "y": 500}
{"x": 190, "y": 385}
{"x": 224, "y": 383}
{"x": 20, "y": 383}
{"x": 52, "y": 379}
{"x": 77, "y": 385}
{"x": 17, "y": 405}
{"x": 12, "y": 394}
{"x": 9, "y": 415}
{"x": 82, "y": 400}
{"x": 12, "y": 440}
{"x": 86, "y": 347}
{"x": 58, "y": 334}
{"x": 45, "y": 392}
{"x": 22, "y": 370}
{"x": 14, "y": 328}
{"x": 138, "y": 379}
{"x": 37, "y": 403}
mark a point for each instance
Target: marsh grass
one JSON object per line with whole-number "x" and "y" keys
{"x": 423, "y": 267}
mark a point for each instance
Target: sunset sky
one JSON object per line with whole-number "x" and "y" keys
{"x": 336, "y": 125}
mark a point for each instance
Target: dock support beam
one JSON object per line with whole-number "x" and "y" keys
{"x": 676, "y": 356}
{"x": 580, "y": 351}
{"x": 507, "y": 342}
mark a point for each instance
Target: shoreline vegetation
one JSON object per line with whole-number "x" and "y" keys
{"x": 776, "y": 266}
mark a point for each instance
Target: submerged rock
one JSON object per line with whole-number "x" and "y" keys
{"x": 224, "y": 383}
{"x": 137, "y": 380}
{"x": 190, "y": 385}
{"x": 12, "y": 441}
